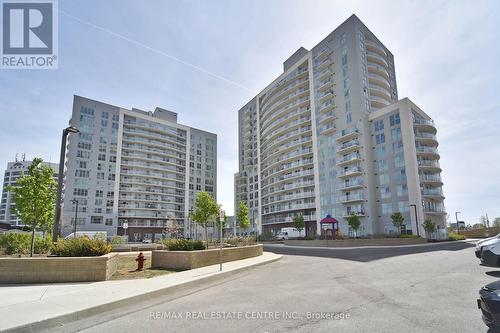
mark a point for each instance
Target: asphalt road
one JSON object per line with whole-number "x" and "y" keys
{"x": 402, "y": 289}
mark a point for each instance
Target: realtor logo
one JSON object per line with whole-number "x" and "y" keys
{"x": 29, "y": 34}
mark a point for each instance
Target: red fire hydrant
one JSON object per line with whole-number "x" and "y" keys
{"x": 140, "y": 262}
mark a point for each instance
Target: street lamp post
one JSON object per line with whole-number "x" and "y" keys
{"x": 416, "y": 217}
{"x": 57, "y": 217}
{"x": 254, "y": 224}
{"x": 74, "y": 201}
{"x": 190, "y": 217}
{"x": 456, "y": 220}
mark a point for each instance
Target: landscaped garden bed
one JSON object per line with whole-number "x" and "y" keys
{"x": 184, "y": 254}
{"x": 71, "y": 260}
{"x": 127, "y": 269}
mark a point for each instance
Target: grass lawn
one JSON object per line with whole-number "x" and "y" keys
{"x": 127, "y": 269}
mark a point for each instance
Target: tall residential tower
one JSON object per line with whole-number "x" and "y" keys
{"x": 8, "y": 219}
{"x": 329, "y": 137}
{"x": 135, "y": 168}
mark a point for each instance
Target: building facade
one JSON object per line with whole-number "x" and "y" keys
{"x": 8, "y": 218}
{"x": 134, "y": 172}
{"x": 310, "y": 143}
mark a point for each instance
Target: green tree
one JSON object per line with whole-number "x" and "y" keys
{"x": 496, "y": 222}
{"x": 429, "y": 227}
{"x": 398, "y": 220}
{"x": 354, "y": 222}
{"x": 205, "y": 209}
{"x": 298, "y": 222}
{"x": 34, "y": 196}
{"x": 242, "y": 216}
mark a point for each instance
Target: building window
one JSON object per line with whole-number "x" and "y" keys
{"x": 399, "y": 161}
{"x": 394, "y": 119}
{"x": 386, "y": 208}
{"x": 396, "y": 134}
{"x": 402, "y": 190}
{"x": 378, "y": 125}
{"x": 385, "y": 192}
{"x": 96, "y": 219}
{"x": 383, "y": 179}
{"x": 382, "y": 165}
{"x": 109, "y": 222}
{"x": 380, "y": 138}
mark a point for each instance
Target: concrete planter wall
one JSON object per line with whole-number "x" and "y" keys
{"x": 356, "y": 242}
{"x": 184, "y": 260}
{"x": 137, "y": 247}
{"x": 57, "y": 269}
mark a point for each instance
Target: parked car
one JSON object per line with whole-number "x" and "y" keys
{"x": 489, "y": 304}
{"x": 483, "y": 242}
{"x": 490, "y": 253}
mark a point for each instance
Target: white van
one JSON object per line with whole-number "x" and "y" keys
{"x": 288, "y": 233}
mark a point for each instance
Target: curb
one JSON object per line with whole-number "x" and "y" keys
{"x": 58, "y": 321}
{"x": 373, "y": 246}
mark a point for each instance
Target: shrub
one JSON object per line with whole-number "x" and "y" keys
{"x": 117, "y": 240}
{"x": 81, "y": 247}
{"x": 454, "y": 236}
{"x": 43, "y": 245}
{"x": 241, "y": 241}
{"x": 267, "y": 236}
{"x": 175, "y": 244}
{"x": 20, "y": 243}
{"x": 409, "y": 236}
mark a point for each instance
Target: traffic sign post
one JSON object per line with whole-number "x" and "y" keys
{"x": 125, "y": 227}
{"x": 221, "y": 220}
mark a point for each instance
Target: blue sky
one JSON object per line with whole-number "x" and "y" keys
{"x": 206, "y": 59}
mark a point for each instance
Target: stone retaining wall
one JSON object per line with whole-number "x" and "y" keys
{"x": 184, "y": 260}
{"x": 356, "y": 242}
{"x": 57, "y": 269}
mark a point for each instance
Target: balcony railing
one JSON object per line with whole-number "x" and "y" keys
{"x": 346, "y": 133}
{"x": 425, "y": 149}
{"x": 430, "y": 178}
{"x": 428, "y": 163}
{"x": 351, "y": 183}
{"x": 420, "y": 121}
{"x": 349, "y": 144}
{"x": 349, "y": 171}
{"x": 352, "y": 197}
{"x": 435, "y": 192}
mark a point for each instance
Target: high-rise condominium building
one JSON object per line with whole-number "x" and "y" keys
{"x": 134, "y": 167}
{"x": 8, "y": 218}
{"x": 329, "y": 137}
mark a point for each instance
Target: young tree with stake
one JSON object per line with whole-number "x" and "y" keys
{"x": 205, "y": 209}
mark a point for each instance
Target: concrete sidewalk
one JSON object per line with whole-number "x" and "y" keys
{"x": 28, "y": 308}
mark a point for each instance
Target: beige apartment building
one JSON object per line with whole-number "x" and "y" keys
{"x": 329, "y": 136}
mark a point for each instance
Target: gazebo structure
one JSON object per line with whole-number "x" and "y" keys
{"x": 329, "y": 227}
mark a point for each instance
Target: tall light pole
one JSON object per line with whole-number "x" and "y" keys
{"x": 190, "y": 219}
{"x": 57, "y": 217}
{"x": 74, "y": 201}
{"x": 253, "y": 222}
{"x": 456, "y": 220}
{"x": 416, "y": 217}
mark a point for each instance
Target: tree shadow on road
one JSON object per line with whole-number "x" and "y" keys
{"x": 367, "y": 254}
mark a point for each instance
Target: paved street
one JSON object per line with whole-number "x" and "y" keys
{"x": 403, "y": 289}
